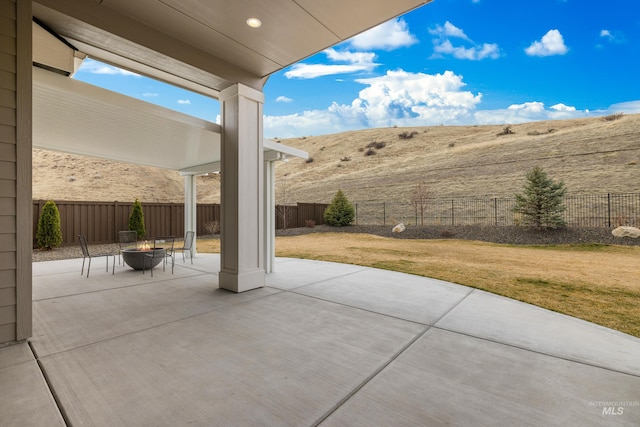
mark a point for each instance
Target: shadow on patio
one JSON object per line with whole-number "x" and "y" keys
{"x": 323, "y": 343}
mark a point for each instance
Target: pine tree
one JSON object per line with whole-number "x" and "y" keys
{"x": 340, "y": 212}
{"x": 541, "y": 203}
{"x": 136, "y": 220}
{"x": 49, "y": 234}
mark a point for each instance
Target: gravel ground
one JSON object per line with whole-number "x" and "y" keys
{"x": 509, "y": 235}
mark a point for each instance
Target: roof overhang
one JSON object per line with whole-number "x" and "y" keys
{"x": 206, "y": 45}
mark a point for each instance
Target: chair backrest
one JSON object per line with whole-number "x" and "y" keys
{"x": 166, "y": 242}
{"x": 188, "y": 240}
{"x": 83, "y": 245}
{"x": 127, "y": 239}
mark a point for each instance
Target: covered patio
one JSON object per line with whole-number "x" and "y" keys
{"x": 320, "y": 344}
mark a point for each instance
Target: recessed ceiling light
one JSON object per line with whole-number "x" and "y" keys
{"x": 254, "y": 22}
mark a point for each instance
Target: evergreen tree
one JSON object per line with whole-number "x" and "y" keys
{"x": 541, "y": 203}
{"x": 49, "y": 234}
{"x": 136, "y": 220}
{"x": 340, "y": 212}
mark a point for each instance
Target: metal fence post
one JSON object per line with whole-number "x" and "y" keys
{"x": 453, "y": 221}
{"x": 384, "y": 213}
{"x": 609, "y": 209}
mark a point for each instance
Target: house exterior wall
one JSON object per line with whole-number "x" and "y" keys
{"x": 15, "y": 170}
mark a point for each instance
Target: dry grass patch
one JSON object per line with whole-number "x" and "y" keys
{"x": 597, "y": 283}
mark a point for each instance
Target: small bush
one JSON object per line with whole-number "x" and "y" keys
{"x": 49, "y": 234}
{"x": 370, "y": 152}
{"x": 376, "y": 145}
{"x": 452, "y": 144}
{"x": 212, "y": 227}
{"x": 506, "y": 131}
{"x": 309, "y": 223}
{"x": 407, "y": 135}
{"x": 612, "y": 117}
{"x": 136, "y": 220}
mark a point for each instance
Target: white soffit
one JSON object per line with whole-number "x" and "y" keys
{"x": 207, "y": 42}
{"x": 79, "y": 118}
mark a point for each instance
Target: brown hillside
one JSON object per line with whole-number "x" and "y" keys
{"x": 589, "y": 155}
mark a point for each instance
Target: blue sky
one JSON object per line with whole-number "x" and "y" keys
{"x": 451, "y": 62}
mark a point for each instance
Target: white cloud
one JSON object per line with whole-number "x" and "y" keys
{"x": 630, "y": 107}
{"x": 388, "y": 36}
{"x": 442, "y": 45}
{"x": 551, "y": 44}
{"x": 150, "y": 94}
{"x": 474, "y": 53}
{"x": 612, "y": 36}
{"x": 562, "y": 107}
{"x": 606, "y": 34}
{"x": 184, "y": 101}
{"x": 448, "y": 30}
{"x": 396, "y": 98}
{"x": 283, "y": 99}
{"x": 95, "y": 67}
{"x": 355, "y": 62}
{"x": 528, "y": 112}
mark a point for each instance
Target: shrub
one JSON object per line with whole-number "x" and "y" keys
{"x": 506, "y": 131}
{"x": 612, "y": 117}
{"x": 309, "y": 223}
{"x": 340, "y": 212}
{"x": 376, "y": 145}
{"x": 49, "y": 234}
{"x": 407, "y": 135}
{"x": 370, "y": 152}
{"x": 212, "y": 227}
{"x": 136, "y": 220}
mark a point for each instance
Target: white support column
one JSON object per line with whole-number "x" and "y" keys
{"x": 190, "y": 202}
{"x": 269, "y": 216}
{"x": 241, "y": 190}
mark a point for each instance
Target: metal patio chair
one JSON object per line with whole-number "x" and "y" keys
{"x": 187, "y": 245}
{"x": 167, "y": 244}
{"x": 86, "y": 254}
{"x": 126, "y": 240}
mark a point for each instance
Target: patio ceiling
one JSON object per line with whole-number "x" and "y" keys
{"x": 76, "y": 117}
{"x": 206, "y": 45}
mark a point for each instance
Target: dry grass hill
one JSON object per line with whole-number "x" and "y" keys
{"x": 592, "y": 156}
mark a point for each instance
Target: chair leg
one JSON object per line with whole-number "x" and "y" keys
{"x": 88, "y": 266}
{"x": 82, "y": 271}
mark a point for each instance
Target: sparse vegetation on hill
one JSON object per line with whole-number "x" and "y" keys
{"x": 590, "y": 155}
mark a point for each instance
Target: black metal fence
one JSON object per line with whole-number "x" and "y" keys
{"x": 607, "y": 210}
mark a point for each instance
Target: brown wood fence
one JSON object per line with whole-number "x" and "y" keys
{"x": 101, "y": 221}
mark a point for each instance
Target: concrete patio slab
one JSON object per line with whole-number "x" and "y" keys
{"x": 294, "y": 273}
{"x": 112, "y": 312}
{"x": 414, "y": 298}
{"x": 25, "y": 398}
{"x": 447, "y": 378}
{"x": 523, "y": 325}
{"x": 322, "y": 344}
{"x": 280, "y": 360}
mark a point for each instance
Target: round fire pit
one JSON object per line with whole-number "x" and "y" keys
{"x": 137, "y": 259}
